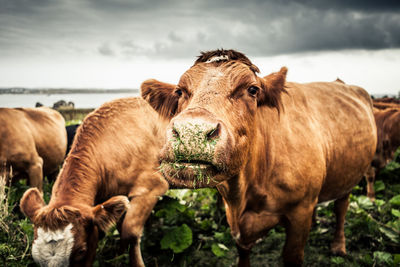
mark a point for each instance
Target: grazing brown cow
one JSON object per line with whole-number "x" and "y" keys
{"x": 384, "y": 105}
{"x": 32, "y": 142}
{"x": 389, "y": 100}
{"x": 274, "y": 149}
{"x": 114, "y": 155}
{"x": 388, "y": 128}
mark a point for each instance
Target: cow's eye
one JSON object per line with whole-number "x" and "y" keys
{"x": 178, "y": 92}
{"x": 252, "y": 90}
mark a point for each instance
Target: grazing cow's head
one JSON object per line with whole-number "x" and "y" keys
{"x": 67, "y": 236}
{"x": 213, "y": 110}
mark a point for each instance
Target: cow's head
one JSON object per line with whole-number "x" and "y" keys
{"x": 66, "y": 235}
{"x": 213, "y": 112}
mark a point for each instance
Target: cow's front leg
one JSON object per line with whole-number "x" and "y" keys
{"x": 244, "y": 256}
{"x": 297, "y": 228}
{"x": 149, "y": 187}
{"x": 252, "y": 226}
{"x": 338, "y": 245}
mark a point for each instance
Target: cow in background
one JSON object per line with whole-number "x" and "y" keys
{"x": 33, "y": 142}
{"x": 111, "y": 168}
{"x": 388, "y": 128}
{"x": 273, "y": 149}
{"x": 389, "y": 100}
{"x": 385, "y": 105}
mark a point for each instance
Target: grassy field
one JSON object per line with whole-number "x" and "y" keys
{"x": 189, "y": 228}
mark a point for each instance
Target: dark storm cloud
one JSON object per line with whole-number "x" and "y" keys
{"x": 172, "y": 28}
{"x": 360, "y": 5}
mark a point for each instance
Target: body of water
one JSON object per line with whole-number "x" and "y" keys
{"x": 80, "y": 100}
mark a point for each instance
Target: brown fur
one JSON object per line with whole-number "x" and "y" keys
{"x": 114, "y": 155}
{"x": 270, "y": 168}
{"x": 33, "y": 142}
{"x": 383, "y": 105}
{"x": 388, "y": 128}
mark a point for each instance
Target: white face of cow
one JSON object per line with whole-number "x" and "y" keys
{"x": 53, "y": 248}
{"x": 74, "y": 242}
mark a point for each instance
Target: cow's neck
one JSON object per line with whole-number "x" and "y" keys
{"x": 248, "y": 191}
{"x": 77, "y": 183}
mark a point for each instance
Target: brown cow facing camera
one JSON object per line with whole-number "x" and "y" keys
{"x": 273, "y": 149}
{"x": 111, "y": 168}
{"x": 32, "y": 143}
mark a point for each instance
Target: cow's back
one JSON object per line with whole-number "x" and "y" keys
{"x": 129, "y": 124}
{"x": 16, "y": 140}
{"x": 48, "y": 128}
{"x": 325, "y": 136}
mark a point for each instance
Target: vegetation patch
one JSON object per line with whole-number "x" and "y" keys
{"x": 16, "y": 232}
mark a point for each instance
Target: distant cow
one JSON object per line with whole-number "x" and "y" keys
{"x": 112, "y": 167}
{"x": 32, "y": 142}
{"x": 385, "y": 105}
{"x": 388, "y": 127}
{"x": 388, "y": 100}
{"x": 71, "y": 131}
{"x": 274, "y": 149}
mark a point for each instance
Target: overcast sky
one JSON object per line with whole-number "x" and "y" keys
{"x": 120, "y": 43}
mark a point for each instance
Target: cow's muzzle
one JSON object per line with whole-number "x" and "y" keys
{"x": 190, "y": 157}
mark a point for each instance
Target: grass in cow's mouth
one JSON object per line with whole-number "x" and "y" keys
{"x": 200, "y": 176}
{"x": 192, "y": 149}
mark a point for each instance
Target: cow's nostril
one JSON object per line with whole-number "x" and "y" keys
{"x": 214, "y": 133}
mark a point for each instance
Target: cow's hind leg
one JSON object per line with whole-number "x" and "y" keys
{"x": 370, "y": 179}
{"x": 338, "y": 246}
{"x": 35, "y": 173}
{"x": 297, "y": 228}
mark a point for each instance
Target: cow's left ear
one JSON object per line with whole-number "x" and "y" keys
{"x": 109, "y": 212}
{"x": 272, "y": 87}
{"x": 31, "y": 202}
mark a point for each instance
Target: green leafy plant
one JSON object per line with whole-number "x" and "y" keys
{"x": 177, "y": 238}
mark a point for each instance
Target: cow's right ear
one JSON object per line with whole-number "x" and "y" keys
{"x": 31, "y": 202}
{"x": 273, "y": 86}
{"x": 109, "y": 212}
{"x": 161, "y": 96}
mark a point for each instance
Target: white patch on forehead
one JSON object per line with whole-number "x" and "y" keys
{"x": 218, "y": 58}
{"x": 53, "y": 248}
